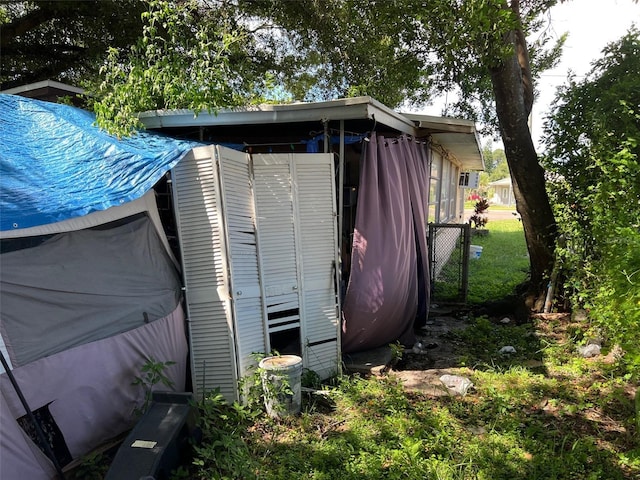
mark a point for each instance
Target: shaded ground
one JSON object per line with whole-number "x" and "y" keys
{"x": 435, "y": 354}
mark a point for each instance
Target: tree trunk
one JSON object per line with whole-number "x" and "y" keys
{"x": 527, "y": 176}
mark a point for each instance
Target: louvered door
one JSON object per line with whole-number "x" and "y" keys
{"x": 277, "y": 250}
{"x": 198, "y": 207}
{"x": 317, "y": 247}
{"x": 239, "y": 215}
{"x": 259, "y": 244}
{"x": 297, "y": 231}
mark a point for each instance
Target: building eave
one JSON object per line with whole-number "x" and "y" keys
{"x": 341, "y": 109}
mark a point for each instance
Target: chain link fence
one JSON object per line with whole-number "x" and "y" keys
{"x": 449, "y": 262}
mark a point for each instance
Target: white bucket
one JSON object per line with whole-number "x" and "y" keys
{"x": 475, "y": 251}
{"x": 281, "y": 378}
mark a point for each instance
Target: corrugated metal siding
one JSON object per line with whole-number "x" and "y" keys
{"x": 317, "y": 247}
{"x": 238, "y": 208}
{"x": 197, "y": 202}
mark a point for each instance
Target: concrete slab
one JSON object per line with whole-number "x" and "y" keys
{"x": 369, "y": 362}
{"x": 426, "y": 381}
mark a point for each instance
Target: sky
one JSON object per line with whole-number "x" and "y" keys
{"x": 591, "y": 25}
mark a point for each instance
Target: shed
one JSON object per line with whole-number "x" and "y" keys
{"x": 250, "y": 216}
{"x": 350, "y": 131}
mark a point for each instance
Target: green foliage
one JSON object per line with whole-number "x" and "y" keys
{"x": 152, "y": 373}
{"x": 310, "y": 379}
{"x": 62, "y": 40}
{"x": 516, "y": 424}
{"x": 182, "y": 60}
{"x": 593, "y": 150}
{"x": 495, "y": 165}
{"x": 92, "y": 467}
{"x": 483, "y": 340}
{"x": 222, "y": 453}
{"x": 397, "y": 351}
{"x": 398, "y": 51}
{"x": 564, "y": 418}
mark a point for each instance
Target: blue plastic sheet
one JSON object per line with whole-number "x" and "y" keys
{"x": 55, "y": 164}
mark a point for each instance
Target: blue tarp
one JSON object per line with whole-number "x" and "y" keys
{"x": 55, "y": 164}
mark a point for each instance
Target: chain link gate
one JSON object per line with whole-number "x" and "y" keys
{"x": 449, "y": 262}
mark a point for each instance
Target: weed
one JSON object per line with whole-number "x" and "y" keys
{"x": 397, "y": 350}
{"x": 92, "y": 467}
{"x": 152, "y": 373}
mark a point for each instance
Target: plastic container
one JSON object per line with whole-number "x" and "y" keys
{"x": 281, "y": 377}
{"x": 475, "y": 251}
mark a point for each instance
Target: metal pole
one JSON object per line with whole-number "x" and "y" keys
{"x": 341, "y": 190}
{"x": 36, "y": 424}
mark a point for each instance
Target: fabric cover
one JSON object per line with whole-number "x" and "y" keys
{"x": 78, "y": 287}
{"x": 388, "y": 285}
{"x": 56, "y": 164}
{"x": 90, "y": 392}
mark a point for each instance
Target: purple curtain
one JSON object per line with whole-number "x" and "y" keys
{"x": 389, "y": 283}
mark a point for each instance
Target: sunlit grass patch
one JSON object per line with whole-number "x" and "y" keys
{"x": 503, "y": 264}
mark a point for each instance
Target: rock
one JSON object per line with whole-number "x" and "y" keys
{"x": 589, "y": 351}
{"x": 505, "y": 320}
{"x": 580, "y": 316}
{"x": 507, "y": 350}
{"x": 456, "y": 385}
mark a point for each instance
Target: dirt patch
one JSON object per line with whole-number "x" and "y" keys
{"x": 434, "y": 354}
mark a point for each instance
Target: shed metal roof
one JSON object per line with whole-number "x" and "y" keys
{"x": 458, "y": 137}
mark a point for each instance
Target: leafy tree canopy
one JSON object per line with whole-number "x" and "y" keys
{"x": 494, "y": 160}
{"x": 213, "y": 53}
{"x": 187, "y": 57}
{"x": 401, "y": 52}
{"x": 62, "y": 40}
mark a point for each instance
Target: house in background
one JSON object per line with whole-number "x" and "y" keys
{"x": 503, "y": 192}
{"x": 50, "y": 91}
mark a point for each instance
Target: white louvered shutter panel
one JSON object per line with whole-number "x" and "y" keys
{"x": 239, "y": 214}
{"x": 314, "y": 189}
{"x": 199, "y": 222}
{"x": 297, "y": 235}
{"x": 277, "y": 248}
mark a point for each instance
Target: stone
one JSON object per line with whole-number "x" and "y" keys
{"x": 456, "y": 385}
{"x": 589, "y": 351}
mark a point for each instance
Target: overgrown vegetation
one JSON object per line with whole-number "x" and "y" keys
{"x": 540, "y": 413}
{"x": 152, "y": 374}
{"x": 594, "y": 149}
{"x": 174, "y": 66}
